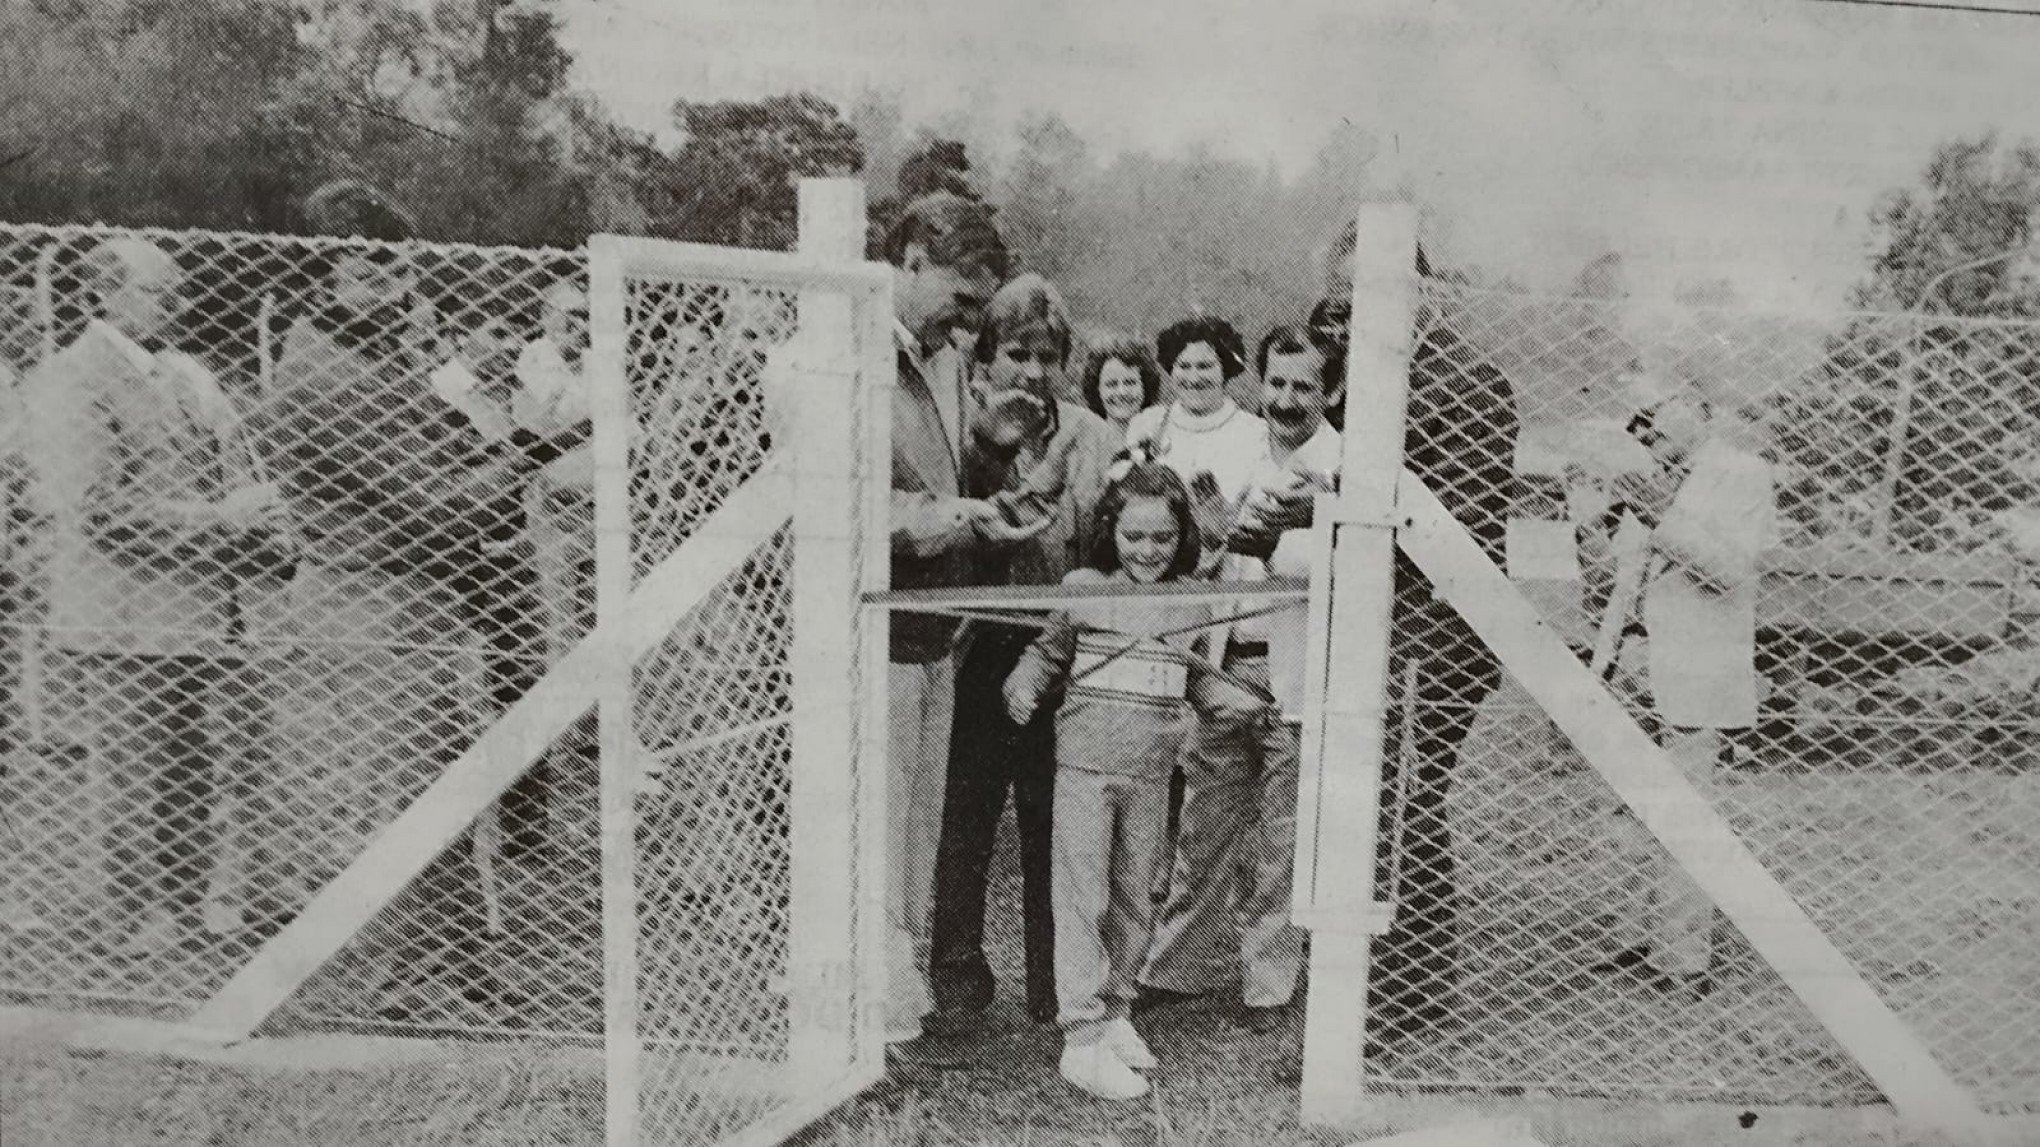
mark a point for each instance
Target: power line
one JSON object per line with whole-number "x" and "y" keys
{"x": 1933, "y": 6}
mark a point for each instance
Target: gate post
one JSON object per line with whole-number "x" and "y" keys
{"x": 1342, "y": 737}
{"x": 817, "y": 404}
{"x": 610, "y": 404}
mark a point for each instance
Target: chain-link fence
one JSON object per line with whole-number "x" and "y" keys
{"x": 293, "y": 522}
{"x": 1828, "y": 633}
{"x": 275, "y": 539}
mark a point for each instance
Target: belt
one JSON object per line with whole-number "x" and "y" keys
{"x": 1245, "y": 649}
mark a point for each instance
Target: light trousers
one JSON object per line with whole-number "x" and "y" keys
{"x": 920, "y": 700}
{"x": 1677, "y": 920}
{"x": 1235, "y": 855}
{"x": 1108, "y": 838}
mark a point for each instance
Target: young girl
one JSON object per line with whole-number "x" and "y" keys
{"x": 1123, "y": 675}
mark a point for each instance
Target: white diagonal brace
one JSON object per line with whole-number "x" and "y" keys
{"x": 744, "y": 523}
{"x": 1677, "y": 814}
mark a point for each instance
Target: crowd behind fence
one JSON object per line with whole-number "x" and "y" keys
{"x": 1887, "y": 780}
{"x": 205, "y": 723}
{"x": 1882, "y": 771}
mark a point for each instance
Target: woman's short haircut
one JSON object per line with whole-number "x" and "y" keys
{"x": 1288, "y": 338}
{"x": 957, "y": 233}
{"x": 1028, "y": 304}
{"x": 1129, "y": 352}
{"x": 1224, "y": 340}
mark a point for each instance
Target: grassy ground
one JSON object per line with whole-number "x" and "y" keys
{"x": 1871, "y": 850}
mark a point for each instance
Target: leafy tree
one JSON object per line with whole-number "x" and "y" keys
{"x": 1924, "y": 426}
{"x": 737, "y": 169}
{"x": 938, "y": 164}
{"x": 149, "y": 113}
{"x": 1041, "y": 212}
{"x": 1940, "y": 241}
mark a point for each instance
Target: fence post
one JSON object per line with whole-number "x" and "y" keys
{"x": 817, "y": 403}
{"x": 610, "y": 405}
{"x": 1343, "y": 786}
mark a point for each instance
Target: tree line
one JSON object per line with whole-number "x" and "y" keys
{"x": 223, "y": 114}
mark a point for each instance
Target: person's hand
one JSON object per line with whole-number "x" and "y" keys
{"x": 1214, "y": 514}
{"x": 1648, "y": 496}
{"x": 1294, "y": 508}
{"x": 992, "y": 522}
{"x": 1019, "y": 706}
{"x": 254, "y": 508}
{"x": 1586, "y": 496}
{"x": 1003, "y": 419}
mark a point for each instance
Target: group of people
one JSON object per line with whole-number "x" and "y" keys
{"x": 1083, "y": 716}
{"x": 1147, "y": 741}
{"x": 401, "y": 475}
{"x": 1086, "y": 714}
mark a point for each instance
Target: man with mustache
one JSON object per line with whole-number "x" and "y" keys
{"x": 1239, "y": 813}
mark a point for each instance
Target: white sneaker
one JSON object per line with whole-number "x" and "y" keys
{"x": 1096, "y": 1069}
{"x": 1125, "y": 1042}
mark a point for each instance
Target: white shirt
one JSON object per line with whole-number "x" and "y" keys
{"x": 943, "y": 372}
{"x": 458, "y": 387}
{"x": 1703, "y": 637}
{"x": 195, "y": 389}
{"x": 1229, "y": 442}
{"x": 551, "y": 396}
{"x": 1318, "y": 455}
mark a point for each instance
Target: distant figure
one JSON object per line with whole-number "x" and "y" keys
{"x": 398, "y": 448}
{"x": 1710, "y": 509}
{"x": 551, "y": 416}
{"x": 160, "y": 517}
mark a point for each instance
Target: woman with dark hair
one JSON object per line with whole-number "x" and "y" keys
{"x": 1121, "y": 380}
{"x": 1203, "y": 431}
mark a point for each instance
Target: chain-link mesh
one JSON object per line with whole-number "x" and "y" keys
{"x": 276, "y": 569}
{"x": 291, "y": 521}
{"x": 1877, "y": 767}
{"x": 714, "y": 714}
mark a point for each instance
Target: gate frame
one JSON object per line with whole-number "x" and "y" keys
{"x": 1382, "y": 507}
{"x": 810, "y": 482}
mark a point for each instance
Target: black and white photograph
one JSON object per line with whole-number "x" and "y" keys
{"x": 811, "y": 573}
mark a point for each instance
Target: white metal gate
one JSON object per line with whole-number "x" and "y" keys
{"x": 1525, "y": 1009}
{"x": 692, "y": 938}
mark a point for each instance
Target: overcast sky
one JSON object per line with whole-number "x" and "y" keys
{"x": 1744, "y": 139}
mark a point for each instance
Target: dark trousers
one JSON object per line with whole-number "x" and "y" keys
{"x": 498, "y": 602}
{"x": 167, "y": 769}
{"x": 988, "y": 757}
{"x": 1415, "y": 964}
